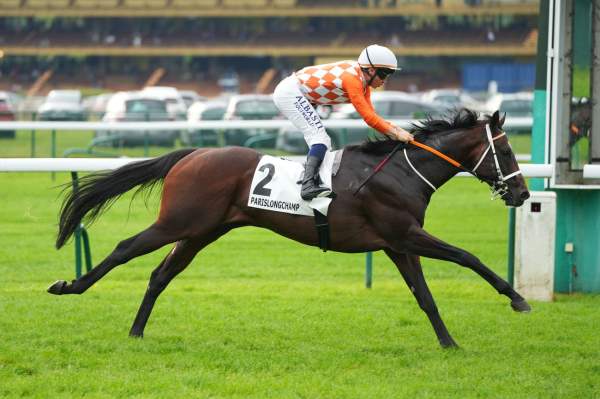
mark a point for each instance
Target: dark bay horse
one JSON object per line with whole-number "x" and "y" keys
{"x": 205, "y": 195}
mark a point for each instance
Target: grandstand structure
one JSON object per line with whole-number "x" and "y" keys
{"x": 119, "y": 44}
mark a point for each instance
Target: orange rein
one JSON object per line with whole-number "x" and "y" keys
{"x": 416, "y": 144}
{"x": 437, "y": 153}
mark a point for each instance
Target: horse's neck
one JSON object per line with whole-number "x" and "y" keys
{"x": 458, "y": 145}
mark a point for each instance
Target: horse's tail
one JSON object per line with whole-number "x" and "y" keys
{"x": 98, "y": 191}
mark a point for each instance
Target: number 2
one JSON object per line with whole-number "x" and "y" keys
{"x": 260, "y": 188}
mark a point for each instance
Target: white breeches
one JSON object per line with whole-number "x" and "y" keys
{"x": 294, "y": 106}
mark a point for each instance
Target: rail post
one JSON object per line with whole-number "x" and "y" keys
{"x": 32, "y": 143}
{"x": 53, "y": 148}
{"x": 369, "y": 270}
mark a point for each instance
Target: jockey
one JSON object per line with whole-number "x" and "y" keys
{"x": 336, "y": 83}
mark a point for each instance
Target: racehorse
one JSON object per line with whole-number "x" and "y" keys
{"x": 205, "y": 195}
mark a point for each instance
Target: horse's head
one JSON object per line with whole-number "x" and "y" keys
{"x": 497, "y": 165}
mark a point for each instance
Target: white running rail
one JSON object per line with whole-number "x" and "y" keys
{"x": 521, "y": 123}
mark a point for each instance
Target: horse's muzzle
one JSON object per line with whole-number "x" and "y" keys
{"x": 516, "y": 200}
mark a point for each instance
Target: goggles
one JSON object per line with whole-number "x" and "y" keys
{"x": 383, "y": 73}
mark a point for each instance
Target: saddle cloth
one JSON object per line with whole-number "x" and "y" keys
{"x": 275, "y": 185}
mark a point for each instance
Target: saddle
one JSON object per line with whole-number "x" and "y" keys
{"x": 274, "y": 187}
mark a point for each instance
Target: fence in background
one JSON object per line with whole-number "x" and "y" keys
{"x": 280, "y": 134}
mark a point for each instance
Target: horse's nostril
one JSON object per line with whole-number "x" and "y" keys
{"x": 525, "y": 195}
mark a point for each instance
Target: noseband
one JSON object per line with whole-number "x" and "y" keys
{"x": 499, "y": 187}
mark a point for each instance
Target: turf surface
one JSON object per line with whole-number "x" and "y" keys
{"x": 259, "y": 316}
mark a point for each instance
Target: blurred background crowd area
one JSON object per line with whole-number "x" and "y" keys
{"x": 136, "y": 59}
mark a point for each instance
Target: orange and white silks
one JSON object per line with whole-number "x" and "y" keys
{"x": 339, "y": 83}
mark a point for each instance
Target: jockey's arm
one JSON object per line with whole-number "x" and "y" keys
{"x": 362, "y": 104}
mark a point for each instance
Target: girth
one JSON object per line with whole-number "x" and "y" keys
{"x": 322, "y": 225}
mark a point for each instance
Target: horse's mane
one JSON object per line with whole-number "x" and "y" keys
{"x": 459, "y": 119}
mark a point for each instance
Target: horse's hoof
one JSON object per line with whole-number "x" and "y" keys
{"x": 521, "y": 306}
{"x": 57, "y": 287}
{"x": 449, "y": 345}
{"x": 136, "y": 335}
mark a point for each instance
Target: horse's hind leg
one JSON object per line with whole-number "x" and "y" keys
{"x": 173, "y": 264}
{"x": 419, "y": 242}
{"x": 410, "y": 268}
{"x": 145, "y": 242}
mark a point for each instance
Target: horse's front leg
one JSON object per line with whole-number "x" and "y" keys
{"x": 419, "y": 242}
{"x": 410, "y": 268}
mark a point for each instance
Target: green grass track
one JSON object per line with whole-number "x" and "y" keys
{"x": 258, "y": 316}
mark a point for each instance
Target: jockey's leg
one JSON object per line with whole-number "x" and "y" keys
{"x": 311, "y": 183}
{"x": 293, "y": 105}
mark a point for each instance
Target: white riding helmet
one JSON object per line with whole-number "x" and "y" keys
{"x": 377, "y": 56}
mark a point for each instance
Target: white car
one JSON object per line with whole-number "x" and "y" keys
{"x": 393, "y": 105}
{"x": 62, "y": 105}
{"x": 95, "y": 106}
{"x": 518, "y": 108}
{"x": 136, "y": 107}
{"x": 175, "y": 103}
{"x": 452, "y": 98}
{"x": 190, "y": 97}
{"x": 514, "y": 104}
{"x": 211, "y": 110}
{"x": 252, "y": 107}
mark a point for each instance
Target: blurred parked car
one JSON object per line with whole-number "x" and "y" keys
{"x": 516, "y": 105}
{"x": 13, "y": 98}
{"x": 291, "y": 140}
{"x": 95, "y": 106}
{"x": 203, "y": 111}
{"x": 28, "y": 107}
{"x": 393, "y": 105}
{"x": 387, "y": 104}
{"x": 137, "y": 107}
{"x": 451, "y": 98}
{"x": 190, "y": 97}
{"x": 62, "y": 105}
{"x": 7, "y": 113}
{"x": 175, "y": 104}
{"x": 251, "y": 107}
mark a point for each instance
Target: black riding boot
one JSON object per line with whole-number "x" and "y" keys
{"x": 311, "y": 180}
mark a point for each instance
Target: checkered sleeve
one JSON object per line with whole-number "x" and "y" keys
{"x": 362, "y": 102}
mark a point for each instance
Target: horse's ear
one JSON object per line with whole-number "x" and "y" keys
{"x": 501, "y": 121}
{"x": 495, "y": 120}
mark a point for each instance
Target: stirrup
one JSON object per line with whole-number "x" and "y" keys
{"x": 314, "y": 191}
